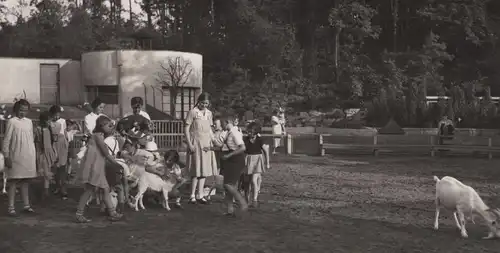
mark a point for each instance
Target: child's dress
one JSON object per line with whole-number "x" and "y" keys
{"x": 255, "y": 158}
{"x": 218, "y": 141}
{"x": 46, "y": 153}
{"x": 201, "y": 163}
{"x": 19, "y": 147}
{"x": 93, "y": 165}
{"x": 62, "y": 143}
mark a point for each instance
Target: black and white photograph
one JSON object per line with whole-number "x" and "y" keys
{"x": 250, "y": 126}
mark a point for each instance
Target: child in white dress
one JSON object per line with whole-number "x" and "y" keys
{"x": 20, "y": 155}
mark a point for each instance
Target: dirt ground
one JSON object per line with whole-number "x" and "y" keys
{"x": 309, "y": 204}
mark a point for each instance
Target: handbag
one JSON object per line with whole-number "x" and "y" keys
{"x": 113, "y": 171}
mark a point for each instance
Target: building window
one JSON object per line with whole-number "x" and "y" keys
{"x": 183, "y": 103}
{"x": 108, "y": 94}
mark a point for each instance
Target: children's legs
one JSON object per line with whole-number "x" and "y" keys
{"x": 234, "y": 193}
{"x": 46, "y": 187}
{"x": 12, "y": 194}
{"x": 201, "y": 187}
{"x": 121, "y": 197}
{"x": 194, "y": 184}
{"x": 107, "y": 201}
{"x": 88, "y": 191}
{"x": 256, "y": 186}
{"x": 25, "y": 194}
{"x": 62, "y": 179}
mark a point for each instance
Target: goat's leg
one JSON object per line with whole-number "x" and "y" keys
{"x": 4, "y": 190}
{"x": 461, "y": 217}
{"x": 490, "y": 236}
{"x": 138, "y": 197}
{"x": 141, "y": 203}
{"x": 436, "y": 219}
{"x": 165, "y": 198}
{"x": 456, "y": 221}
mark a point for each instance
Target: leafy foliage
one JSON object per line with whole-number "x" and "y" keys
{"x": 385, "y": 56}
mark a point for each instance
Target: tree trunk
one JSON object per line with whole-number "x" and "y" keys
{"x": 336, "y": 55}
{"x": 173, "y": 102}
{"x": 395, "y": 18}
{"x": 130, "y": 11}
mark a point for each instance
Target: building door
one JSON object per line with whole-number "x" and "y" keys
{"x": 49, "y": 84}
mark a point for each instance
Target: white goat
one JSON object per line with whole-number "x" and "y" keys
{"x": 464, "y": 200}
{"x": 154, "y": 182}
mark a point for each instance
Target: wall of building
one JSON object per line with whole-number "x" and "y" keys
{"x": 21, "y": 74}
{"x": 139, "y": 73}
{"x": 143, "y": 74}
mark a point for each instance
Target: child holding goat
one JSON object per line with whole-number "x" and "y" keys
{"x": 93, "y": 170}
{"x": 164, "y": 167}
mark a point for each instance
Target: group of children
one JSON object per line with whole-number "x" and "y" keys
{"x": 44, "y": 152}
{"x": 217, "y": 146}
{"x": 30, "y": 152}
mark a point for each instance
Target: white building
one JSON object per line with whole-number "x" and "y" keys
{"x": 115, "y": 76}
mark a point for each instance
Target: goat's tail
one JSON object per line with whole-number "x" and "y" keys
{"x": 436, "y": 179}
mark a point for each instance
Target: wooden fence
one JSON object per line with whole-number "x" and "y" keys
{"x": 169, "y": 135}
{"x": 430, "y": 144}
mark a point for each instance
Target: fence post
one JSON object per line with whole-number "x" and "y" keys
{"x": 490, "y": 145}
{"x": 289, "y": 149}
{"x": 433, "y": 151}
{"x": 320, "y": 145}
{"x": 375, "y": 140}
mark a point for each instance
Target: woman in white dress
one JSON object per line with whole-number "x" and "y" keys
{"x": 278, "y": 127}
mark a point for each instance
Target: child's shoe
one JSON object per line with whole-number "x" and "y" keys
{"x": 28, "y": 210}
{"x": 12, "y": 212}
{"x": 82, "y": 219}
{"x": 115, "y": 216}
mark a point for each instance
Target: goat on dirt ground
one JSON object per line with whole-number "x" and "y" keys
{"x": 150, "y": 181}
{"x": 464, "y": 200}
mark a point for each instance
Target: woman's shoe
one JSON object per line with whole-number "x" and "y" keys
{"x": 202, "y": 201}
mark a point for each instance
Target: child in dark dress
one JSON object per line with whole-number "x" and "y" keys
{"x": 256, "y": 161}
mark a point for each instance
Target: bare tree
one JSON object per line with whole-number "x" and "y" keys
{"x": 174, "y": 75}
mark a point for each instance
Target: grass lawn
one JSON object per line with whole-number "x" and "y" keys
{"x": 309, "y": 204}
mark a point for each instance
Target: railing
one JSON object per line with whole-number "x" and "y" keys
{"x": 429, "y": 144}
{"x": 167, "y": 134}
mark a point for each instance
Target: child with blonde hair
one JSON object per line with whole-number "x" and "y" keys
{"x": 93, "y": 173}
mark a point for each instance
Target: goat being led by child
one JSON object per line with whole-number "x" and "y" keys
{"x": 464, "y": 200}
{"x": 156, "y": 183}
